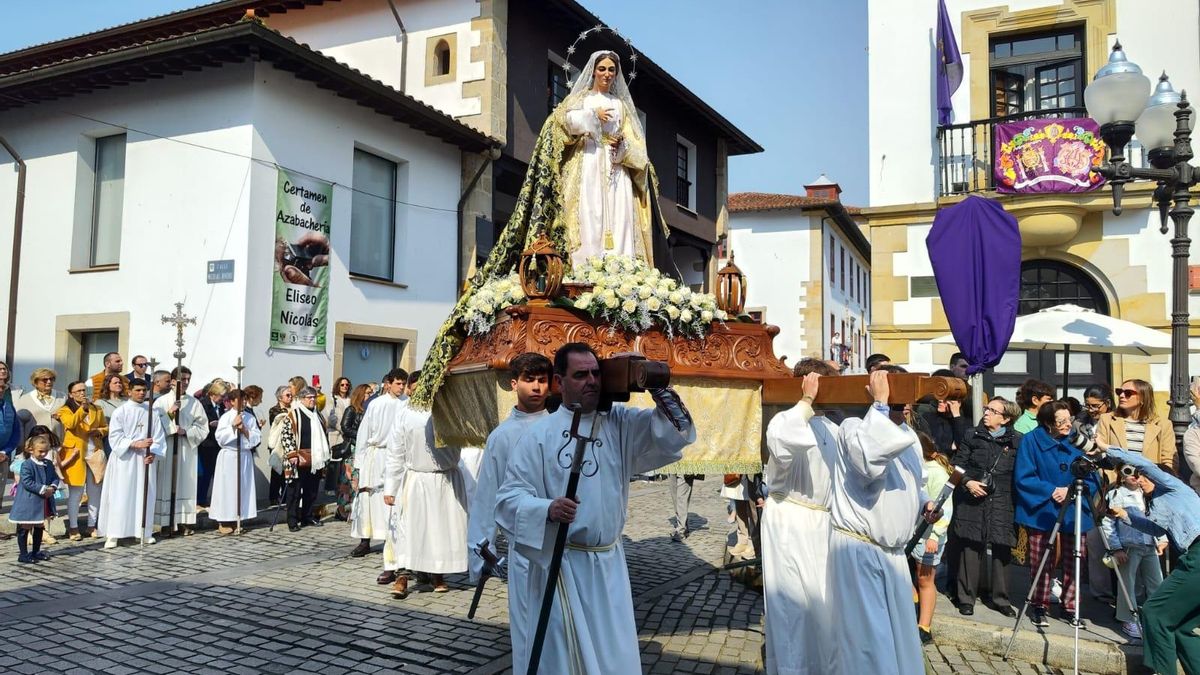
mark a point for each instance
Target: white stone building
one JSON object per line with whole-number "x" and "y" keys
{"x": 808, "y": 268}
{"x": 1024, "y": 59}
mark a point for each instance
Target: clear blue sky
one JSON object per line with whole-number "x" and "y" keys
{"x": 790, "y": 73}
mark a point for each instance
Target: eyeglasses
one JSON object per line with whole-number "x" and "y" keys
{"x": 1130, "y": 471}
{"x": 1093, "y": 406}
{"x": 993, "y": 411}
{"x": 45, "y": 379}
{"x": 310, "y": 397}
{"x": 143, "y": 364}
{"x": 1127, "y": 393}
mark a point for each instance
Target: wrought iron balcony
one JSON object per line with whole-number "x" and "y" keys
{"x": 965, "y": 150}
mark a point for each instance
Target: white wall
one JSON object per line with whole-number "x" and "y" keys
{"x": 902, "y": 90}
{"x": 181, "y": 209}
{"x": 772, "y": 249}
{"x": 429, "y": 177}
{"x": 840, "y": 303}
{"x": 364, "y": 35}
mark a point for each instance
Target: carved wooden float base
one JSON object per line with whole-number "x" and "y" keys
{"x": 720, "y": 378}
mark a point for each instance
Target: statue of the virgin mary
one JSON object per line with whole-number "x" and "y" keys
{"x": 590, "y": 189}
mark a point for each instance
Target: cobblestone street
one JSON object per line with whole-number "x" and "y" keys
{"x": 281, "y": 603}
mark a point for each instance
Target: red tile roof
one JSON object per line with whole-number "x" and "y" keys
{"x": 740, "y": 202}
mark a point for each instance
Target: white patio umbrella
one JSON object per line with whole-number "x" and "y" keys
{"x": 1074, "y": 328}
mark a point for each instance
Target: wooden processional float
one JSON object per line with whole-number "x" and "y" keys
{"x": 730, "y": 379}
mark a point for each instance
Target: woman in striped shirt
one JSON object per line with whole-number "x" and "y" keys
{"x": 1136, "y": 426}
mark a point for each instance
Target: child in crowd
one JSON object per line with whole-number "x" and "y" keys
{"x": 34, "y": 501}
{"x": 929, "y": 554}
{"x": 1136, "y": 553}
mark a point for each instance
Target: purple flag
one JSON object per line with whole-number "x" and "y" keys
{"x": 1048, "y": 155}
{"x": 949, "y": 65}
{"x": 975, "y": 248}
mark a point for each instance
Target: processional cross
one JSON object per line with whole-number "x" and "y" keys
{"x": 179, "y": 320}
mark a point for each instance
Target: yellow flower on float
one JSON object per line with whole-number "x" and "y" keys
{"x": 653, "y": 304}
{"x": 629, "y": 306}
{"x": 644, "y": 293}
{"x": 686, "y": 316}
{"x": 706, "y": 316}
{"x": 672, "y": 312}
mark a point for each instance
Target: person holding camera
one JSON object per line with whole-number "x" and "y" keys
{"x": 1043, "y": 478}
{"x": 983, "y": 513}
{"x": 1135, "y": 553}
{"x": 592, "y": 628}
{"x": 1172, "y": 614}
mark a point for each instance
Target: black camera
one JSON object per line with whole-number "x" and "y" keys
{"x": 1084, "y": 466}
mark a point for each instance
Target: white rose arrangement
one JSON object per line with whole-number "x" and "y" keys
{"x": 626, "y": 293}
{"x": 629, "y": 293}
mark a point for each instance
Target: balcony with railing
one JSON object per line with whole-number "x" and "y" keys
{"x": 965, "y": 151}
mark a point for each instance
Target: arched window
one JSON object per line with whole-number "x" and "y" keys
{"x": 1046, "y": 283}
{"x": 441, "y": 55}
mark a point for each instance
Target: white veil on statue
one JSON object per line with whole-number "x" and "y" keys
{"x": 619, "y": 88}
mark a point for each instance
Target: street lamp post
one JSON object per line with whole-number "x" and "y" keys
{"x": 1117, "y": 100}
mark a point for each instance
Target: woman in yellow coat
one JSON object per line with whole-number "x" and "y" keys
{"x": 84, "y": 428}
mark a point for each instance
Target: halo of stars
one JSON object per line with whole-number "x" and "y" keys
{"x": 633, "y": 57}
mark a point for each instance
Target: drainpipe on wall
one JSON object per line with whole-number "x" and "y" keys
{"x": 403, "y": 47}
{"x": 18, "y": 226}
{"x": 490, "y": 156}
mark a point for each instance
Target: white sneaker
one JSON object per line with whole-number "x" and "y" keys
{"x": 111, "y": 542}
{"x": 150, "y": 540}
{"x": 1056, "y": 590}
{"x": 1131, "y": 629}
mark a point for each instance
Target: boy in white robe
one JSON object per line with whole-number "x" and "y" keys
{"x": 134, "y": 449}
{"x": 795, "y": 533}
{"x": 369, "y": 514}
{"x": 426, "y": 488}
{"x": 186, "y": 421}
{"x": 530, "y": 378}
{"x": 237, "y": 433}
{"x": 878, "y": 492}
{"x": 591, "y": 628}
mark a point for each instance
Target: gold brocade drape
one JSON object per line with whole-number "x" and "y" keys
{"x": 727, "y": 415}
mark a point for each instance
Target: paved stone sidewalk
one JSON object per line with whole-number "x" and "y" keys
{"x": 282, "y": 603}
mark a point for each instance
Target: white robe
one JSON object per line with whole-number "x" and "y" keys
{"x": 124, "y": 475}
{"x": 469, "y": 462}
{"x": 369, "y": 515}
{"x": 606, "y": 193}
{"x": 593, "y": 631}
{"x": 224, "y": 507}
{"x": 482, "y": 521}
{"x": 877, "y": 495}
{"x": 795, "y": 542}
{"x": 194, "y": 422}
{"x": 431, "y": 507}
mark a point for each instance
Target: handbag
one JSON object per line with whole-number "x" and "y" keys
{"x": 304, "y": 458}
{"x": 988, "y": 480}
{"x": 303, "y": 455}
{"x": 97, "y": 462}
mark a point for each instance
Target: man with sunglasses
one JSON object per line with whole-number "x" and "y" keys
{"x": 140, "y": 364}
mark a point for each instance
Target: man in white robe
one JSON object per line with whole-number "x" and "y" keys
{"x": 134, "y": 449}
{"x": 530, "y": 375}
{"x": 237, "y": 434}
{"x": 426, "y": 488}
{"x": 795, "y": 533}
{"x": 878, "y": 493}
{"x": 591, "y": 627}
{"x": 186, "y": 426}
{"x": 369, "y": 514}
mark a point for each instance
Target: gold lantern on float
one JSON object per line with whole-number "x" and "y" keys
{"x": 541, "y": 271}
{"x": 731, "y": 288}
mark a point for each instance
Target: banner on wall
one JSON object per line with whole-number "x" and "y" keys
{"x": 1048, "y": 155}
{"x": 300, "y": 296}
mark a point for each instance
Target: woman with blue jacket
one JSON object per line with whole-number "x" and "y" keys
{"x": 1170, "y": 617}
{"x": 1042, "y": 479}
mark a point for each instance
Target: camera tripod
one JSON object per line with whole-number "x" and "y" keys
{"x": 1075, "y": 496}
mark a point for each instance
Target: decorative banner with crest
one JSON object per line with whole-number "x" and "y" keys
{"x": 1048, "y": 155}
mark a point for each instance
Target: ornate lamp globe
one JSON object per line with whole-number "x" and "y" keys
{"x": 731, "y": 288}
{"x": 1116, "y": 97}
{"x": 1156, "y": 125}
{"x": 541, "y": 271}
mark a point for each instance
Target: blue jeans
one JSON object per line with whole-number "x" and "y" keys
{"x": 1143, "y": 568}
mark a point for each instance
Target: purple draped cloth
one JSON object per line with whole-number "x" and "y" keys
{"x": 949, "y": 65}
{"x": 975, "y": 248}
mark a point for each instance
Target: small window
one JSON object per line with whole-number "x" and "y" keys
{"x": 683, "y": 186}
{"x": 556, "y": 86}
{"x": 368, "y": 360}
{"x": 441, "y": 56}
{"x": 373, "y": 217}
{"x": 1036, "y": 71}
{"x": 923, "y": 287}
{"x": 93, "y": 346}
{"x": 832, "y": 253}
{"x": 108, "y": 199}
{"x": 843, "y": 270}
